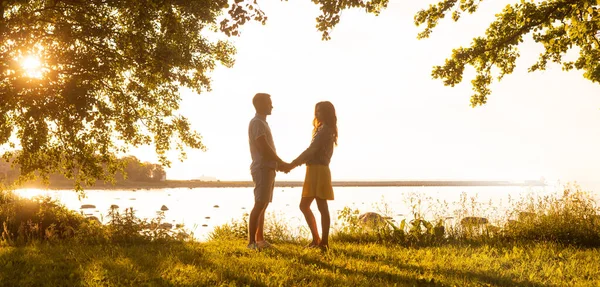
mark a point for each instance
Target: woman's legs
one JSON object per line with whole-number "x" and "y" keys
{"x": 305, "y": 203}
{"x": 325, "y": 222}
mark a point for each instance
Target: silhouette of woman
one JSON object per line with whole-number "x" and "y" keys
{"x": 317, "y": 182}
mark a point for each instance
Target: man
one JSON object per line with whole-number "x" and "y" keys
{"x": 265, "y": 163}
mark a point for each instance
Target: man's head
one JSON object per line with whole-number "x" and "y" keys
{"x": 262, "y": 104}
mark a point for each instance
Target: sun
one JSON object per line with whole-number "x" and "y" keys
{"x": 32, "y": 66}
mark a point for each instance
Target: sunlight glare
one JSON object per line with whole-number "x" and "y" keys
{"x": 30, "y": 193}
{"x": 32, "y": 66}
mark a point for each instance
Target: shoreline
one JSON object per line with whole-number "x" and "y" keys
{"x": 246, "y": 184}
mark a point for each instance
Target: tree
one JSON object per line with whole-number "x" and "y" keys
{"x": 135, "y": 170}
{"x": 559, "y": 25}
{"x": 157, "y": 172}
{"x": 110, "y": 76}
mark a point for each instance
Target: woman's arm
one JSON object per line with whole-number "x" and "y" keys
{"x": 319, "y": 140}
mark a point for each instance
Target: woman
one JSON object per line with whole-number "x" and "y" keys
{"x": 317, "y": 182}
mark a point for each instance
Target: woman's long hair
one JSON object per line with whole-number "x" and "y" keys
{"x": 329, "y": 118}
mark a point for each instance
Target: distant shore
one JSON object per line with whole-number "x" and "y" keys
{"x": 235, "y": 184}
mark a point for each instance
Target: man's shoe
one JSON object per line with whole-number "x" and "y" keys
{"x": 312, "y": 245}
{"x": 252, "y": 246}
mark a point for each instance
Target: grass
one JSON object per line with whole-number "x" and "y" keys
{"x": 229, "y": 263}
{"x": 540, "y": 241}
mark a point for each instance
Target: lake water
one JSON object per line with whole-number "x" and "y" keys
{"x": 201, "y": 209}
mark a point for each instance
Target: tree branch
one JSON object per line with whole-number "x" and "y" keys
{"x": 515, "y": 35}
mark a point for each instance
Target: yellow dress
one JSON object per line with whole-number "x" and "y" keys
{"x": 317, "y": 182}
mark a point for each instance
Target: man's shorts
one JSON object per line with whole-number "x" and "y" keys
{"x": 264, "y": 183}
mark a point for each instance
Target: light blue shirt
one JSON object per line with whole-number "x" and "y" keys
{"x": 259, "y": 127}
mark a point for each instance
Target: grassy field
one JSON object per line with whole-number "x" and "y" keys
{"x": 229, "y": 263}
{"x": 551, "y": 240}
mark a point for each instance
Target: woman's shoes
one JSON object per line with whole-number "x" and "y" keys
{"x": 323, "y": 248}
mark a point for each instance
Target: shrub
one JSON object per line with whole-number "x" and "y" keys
{"x": 43, "y": 219}
{"x": 38, "y": 219}
{"x": 236, "y": 229}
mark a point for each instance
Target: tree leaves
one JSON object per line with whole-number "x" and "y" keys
{"x": 558, "y": 25}
{"x": 113, "y": 73}
{"x": 332, "y": 9}
{"x": 242, "y": 11}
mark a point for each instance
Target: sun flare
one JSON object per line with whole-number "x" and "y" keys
{"x": 32, "y": 66}
{"x": 30, "y": 193}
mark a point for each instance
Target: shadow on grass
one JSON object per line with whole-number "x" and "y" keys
{"x": 30, "y": 267}
{"x": 151, "y": 264}
{"x": 481, "y": 277}
{"x": 193, "y": 256}
{"x": 388, "y": 279}
{"x": 178, "y": 264}
{"x": 207, "y": 264}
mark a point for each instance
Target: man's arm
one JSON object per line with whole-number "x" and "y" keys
{"x": 270, "y": 154}
{"x": 266, "y": 149}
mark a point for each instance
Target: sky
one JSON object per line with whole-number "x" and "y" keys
{"x": 395, "y": 122}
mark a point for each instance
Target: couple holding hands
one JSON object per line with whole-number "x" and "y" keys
{"x": 265, "y": 163}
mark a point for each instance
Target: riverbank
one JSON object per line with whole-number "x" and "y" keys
{"x": 56, "y": 185}
{"x": 229, "y": 263}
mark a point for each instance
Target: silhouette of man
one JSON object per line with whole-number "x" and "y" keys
{"x": 265, "y": 163}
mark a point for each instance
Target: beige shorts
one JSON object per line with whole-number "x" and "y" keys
{"x": 264, "y": 184}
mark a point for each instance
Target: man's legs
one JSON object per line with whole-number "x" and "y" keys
{"x": 264, "y": 181}
{"x": 260, "y": 231}
{"x": 255, "y": 223}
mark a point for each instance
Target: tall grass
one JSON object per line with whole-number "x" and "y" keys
{"x": 276, "y": 230}
{"x": 571, "y": 217}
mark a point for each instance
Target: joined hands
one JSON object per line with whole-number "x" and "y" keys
{"x": 287, "y": 167}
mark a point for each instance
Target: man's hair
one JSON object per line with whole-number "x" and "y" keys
{"x": 259, "y": 98}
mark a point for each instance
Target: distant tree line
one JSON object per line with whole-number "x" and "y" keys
{"x": 132, "y": 170}
{"x": 135, "y": 170}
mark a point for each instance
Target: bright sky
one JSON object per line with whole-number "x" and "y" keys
{"x": 395, "y": 121}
